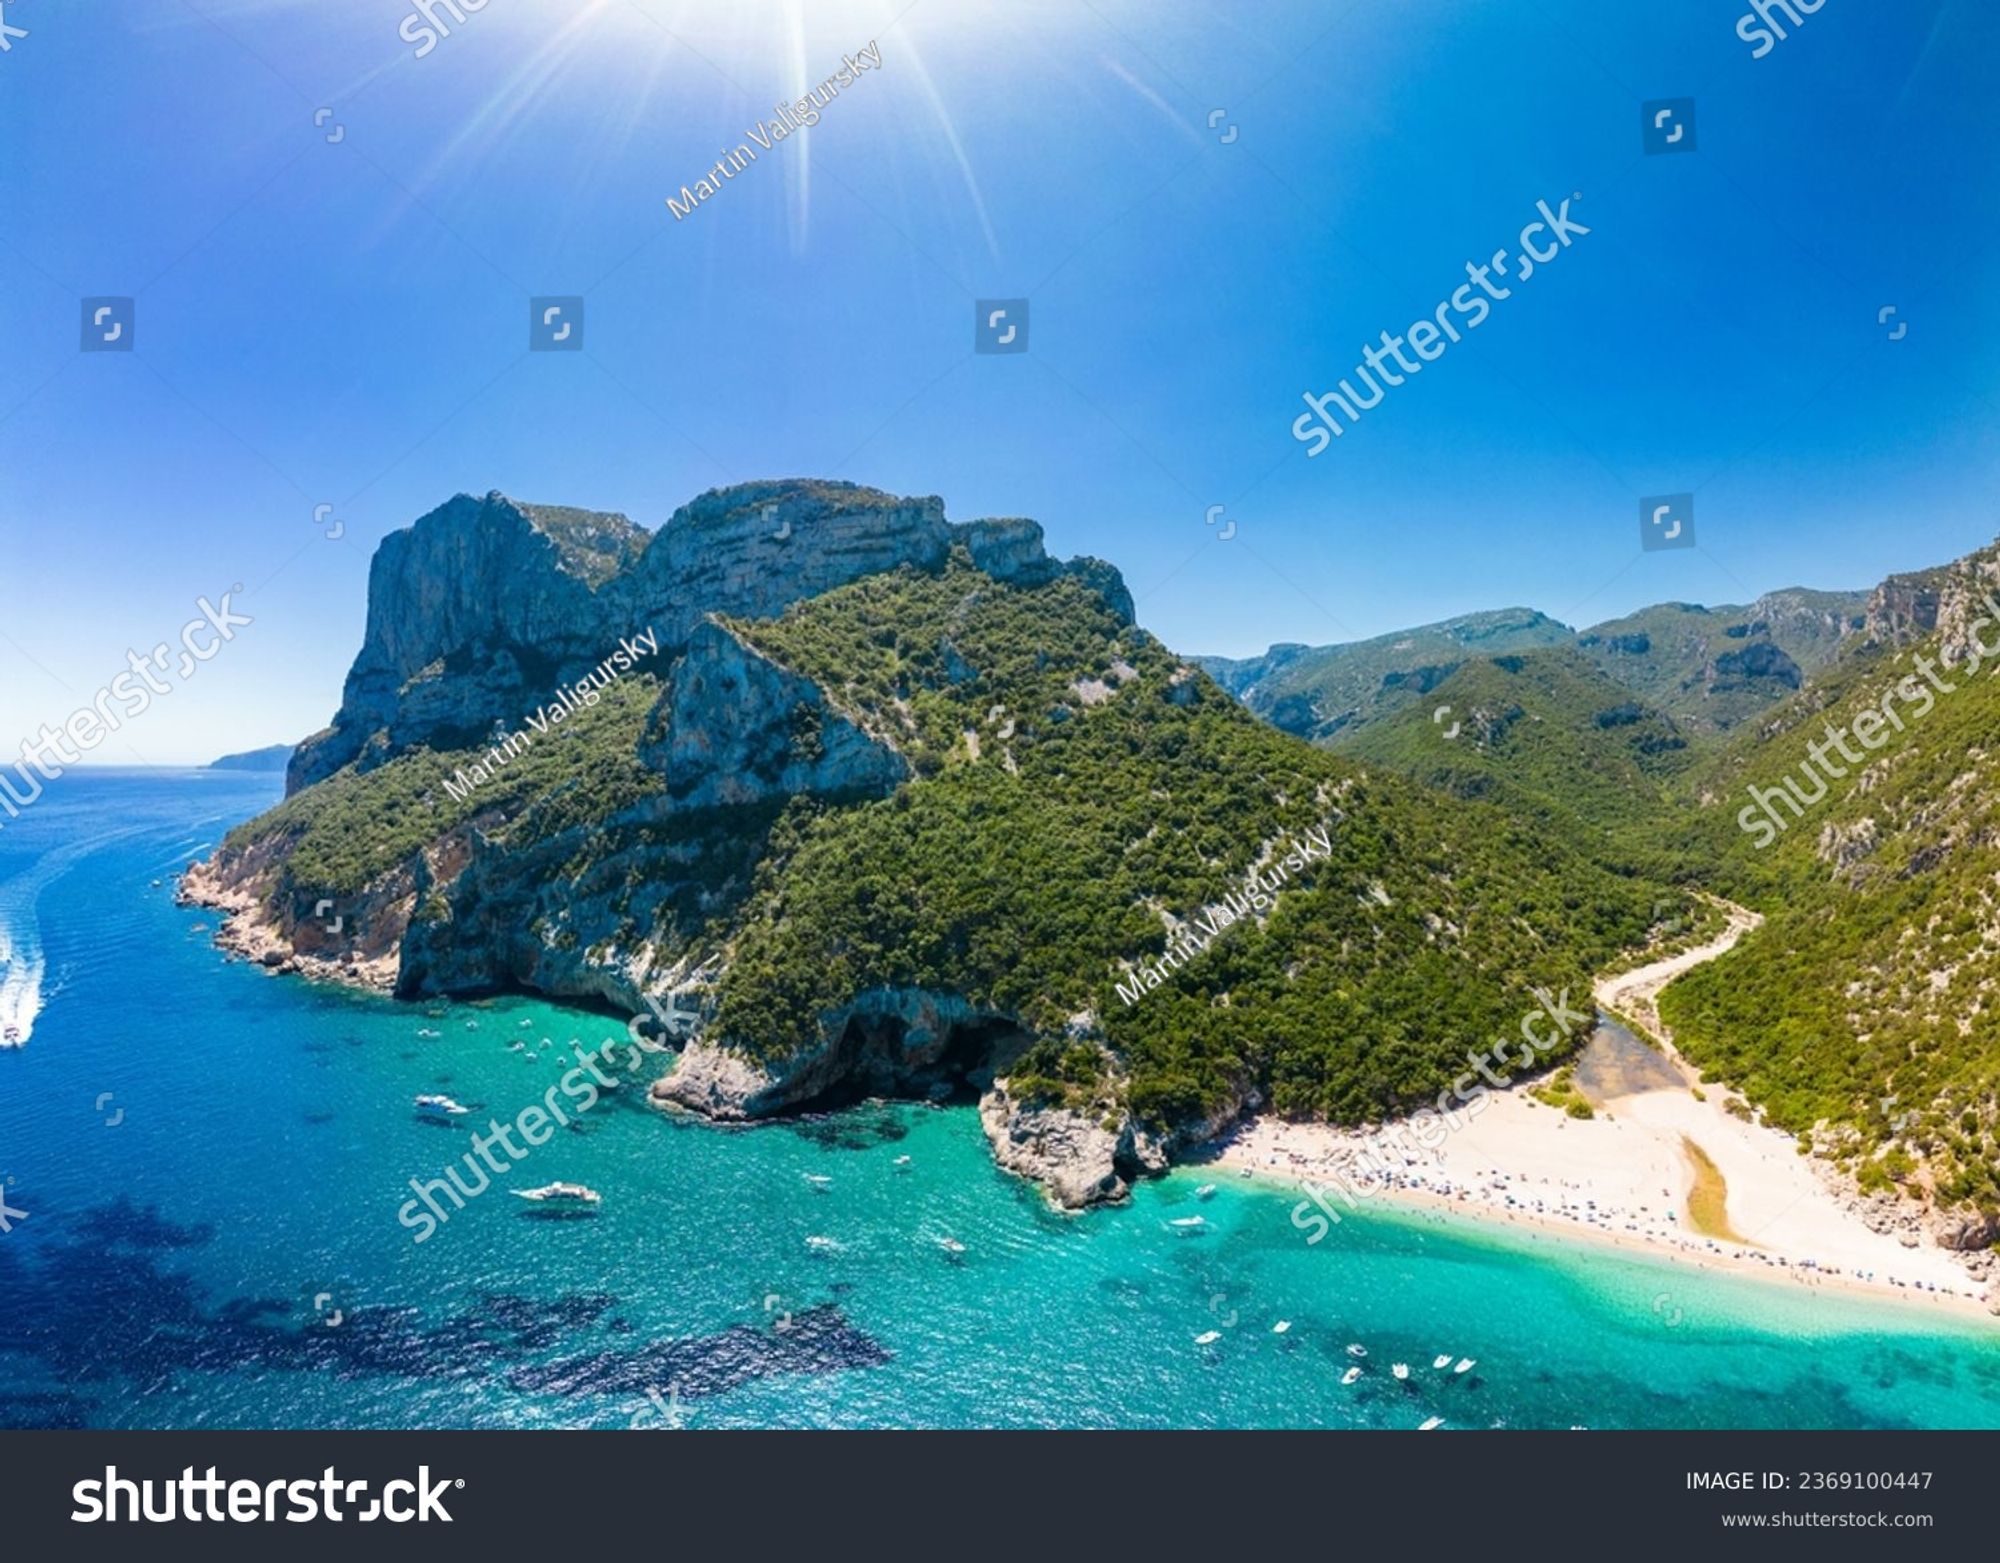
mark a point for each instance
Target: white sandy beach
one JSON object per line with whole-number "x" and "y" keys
{"x": 1625, "y": 1177}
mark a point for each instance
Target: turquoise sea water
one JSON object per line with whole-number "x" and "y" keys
{"x": 257, "y": 1140}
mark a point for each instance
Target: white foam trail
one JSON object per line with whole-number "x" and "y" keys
{"x": 21, "y": 971}
{"x": 21, "y": 974}
{"x": 22, "y": 966}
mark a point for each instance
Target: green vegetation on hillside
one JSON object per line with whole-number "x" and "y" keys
{"x": 1863, "y": 1013}
{"x": 1706, "y": 669}
{"x": 1548, "y": 737}
{"x": 1326, "y": 693}
{"x": 357, "y": 825}
{"x": 1101, "y": 785}
{"x": 1713, "y": 669}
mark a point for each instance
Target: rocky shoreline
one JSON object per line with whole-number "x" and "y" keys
{"x": 245, "y": 932}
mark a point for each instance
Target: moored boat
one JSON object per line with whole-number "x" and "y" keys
{"x": 560, "y": 1193}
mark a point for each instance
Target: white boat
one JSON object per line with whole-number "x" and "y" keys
{"x": 819, "y": 1180}
{"x": 440, "y": 1106}
{"x": 1188, "y": 1223}
{"x": 1400, "y": 1369}
{"x": 822, "y": 1245}
{"x": 1204, "y": 1191}
{"x": 1350, "y": 1375}
{"x": 1441, "y": 1362}
{"x": 1465, "y": 1364}
{"x": 1208, "y": 1337}
{"x": 951, "y": 1245}
{"x": 524, "y": 1024}
{"x": 1430, "y": 1422}
{"x": 1357, "y": 1350}
{"x": 1281, "y": 1326}
{"x": 472, "y": 1025}
{"x": 560, "y": 1193}
{"x": 425, "y": 1031}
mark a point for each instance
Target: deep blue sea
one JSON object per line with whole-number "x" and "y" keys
{"x": 207, "y": 1164}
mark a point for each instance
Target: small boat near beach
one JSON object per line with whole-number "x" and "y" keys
{"x": 560, "y": 1194}
{"x": 902, "y": 1161}
{"x": 1187, "y": 1226}
{"x": 1430, "y": 1422}
{"x": 819, "y": 1180}
{"x": 1465, "y": 1364}
{"x": 1357, "y": 1350}
{"x": 1442, "y": 1362}
{"x": 1281, "y": 1326}
{"x": 425, "y": 1031}
{"x": 1400, "y": 1369}
{"x": 951, "y": 1245}
{"x": 1350, "y": 1375}
{"x": 440, "y": 1106}
{"x": 1208, "y": 1337}
{"x": 1204, "y": 1191}
{"x": 822, "y": 1245}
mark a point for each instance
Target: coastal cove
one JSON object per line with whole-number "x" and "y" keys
{"x": 185, "y": 1263}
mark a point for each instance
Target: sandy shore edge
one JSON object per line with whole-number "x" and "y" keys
{"x": 1621, "y": 1178}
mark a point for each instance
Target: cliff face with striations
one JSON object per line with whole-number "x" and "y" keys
{"x": 467, "y": 609}
{"x": 484, "y": 605}
{"x": 738, "y": 728}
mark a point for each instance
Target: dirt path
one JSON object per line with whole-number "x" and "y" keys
{"x": 1634, "y": 996}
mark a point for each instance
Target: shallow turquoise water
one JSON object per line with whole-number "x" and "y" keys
{"x": 167, "y": 1269}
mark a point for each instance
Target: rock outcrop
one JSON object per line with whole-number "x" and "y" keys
{"x": 469, "y": 609}
{"x": 1071, "y": 1154}
{"x": 735, "y": 728}
{"x": 903, "y": 1042}
{"x": 482, "y": 607}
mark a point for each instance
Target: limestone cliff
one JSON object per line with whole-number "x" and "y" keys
{"x": 735, "y": 728}
{"x": 484, "y": 605}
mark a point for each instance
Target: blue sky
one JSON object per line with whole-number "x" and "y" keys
{"x": 345, "y": 322}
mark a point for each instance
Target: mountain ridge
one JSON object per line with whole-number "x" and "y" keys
{"x": 1708, "y": 668}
